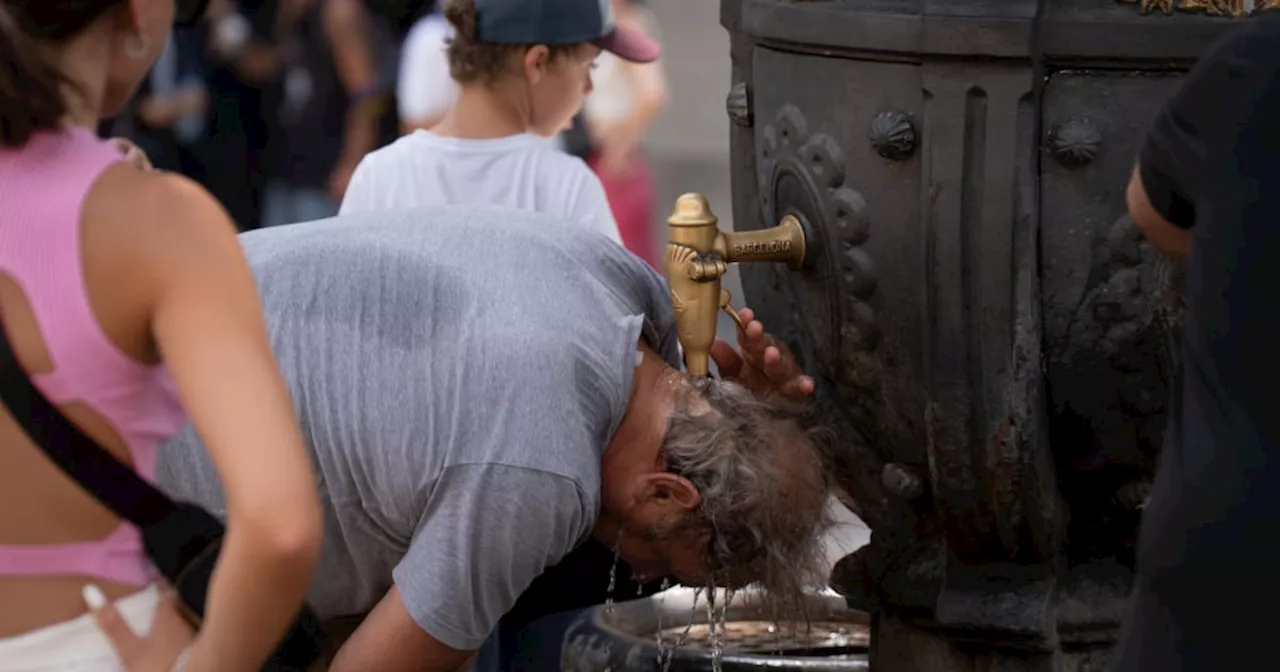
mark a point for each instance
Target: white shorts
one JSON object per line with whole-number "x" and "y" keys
{"x": 77, "y": 645}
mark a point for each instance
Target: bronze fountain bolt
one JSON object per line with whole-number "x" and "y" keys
{"x": 697, "y": 257}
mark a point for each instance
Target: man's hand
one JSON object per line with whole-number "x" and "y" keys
{"x": 764, "y": 365}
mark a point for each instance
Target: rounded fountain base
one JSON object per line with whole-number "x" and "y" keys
{"x": 669, "y": 632}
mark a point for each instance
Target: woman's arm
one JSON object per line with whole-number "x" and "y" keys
{"x": 209, "y": 330}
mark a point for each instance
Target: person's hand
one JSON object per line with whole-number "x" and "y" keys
{"x": 133, "y": 154}
{"x": 763, "y": 364}
{"x": 159, "y": 651}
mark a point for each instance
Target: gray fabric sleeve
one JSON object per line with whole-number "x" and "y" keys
{"x": 487, "y": 531}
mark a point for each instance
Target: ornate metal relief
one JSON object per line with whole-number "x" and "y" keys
{"x": 1231, "y": 8}
{"x": 893, "y": 135}
{"x": 1122, "y": 339}
{"x": 1075, "y": 142}
{"x": 805, "y": 172}
{"x": 901, "y": 481}
{"x": 1137, "y": 294}
{"x": 738, "y": 104}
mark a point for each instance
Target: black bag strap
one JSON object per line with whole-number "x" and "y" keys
{"x": 108, "y": 479}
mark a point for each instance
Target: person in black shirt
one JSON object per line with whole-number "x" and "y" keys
{"x": 242, "y": 65}
{"x": 168, "y": 115}
{"x": 1207, "y": 189}
{"x": 334, "y": 97}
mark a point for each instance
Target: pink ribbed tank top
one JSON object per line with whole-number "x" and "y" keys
{"x": 43, "y": 186}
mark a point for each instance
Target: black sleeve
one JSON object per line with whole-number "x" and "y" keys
{"x": 1188, "y": 127}
{"x": 1162, "y": 187}
{"x": 1167, "y": 162}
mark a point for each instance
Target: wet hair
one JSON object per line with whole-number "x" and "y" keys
{"x": 472, "y": 61}
{"x": 760, "y": 466}
{"x": 32, "y": 88}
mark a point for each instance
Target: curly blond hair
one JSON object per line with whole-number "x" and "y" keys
{"x": 473, "y": 61}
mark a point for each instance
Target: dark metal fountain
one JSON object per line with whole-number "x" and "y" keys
{"x": 992, "y": 337}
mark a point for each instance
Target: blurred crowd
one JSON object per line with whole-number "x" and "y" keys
{"x": 271, "y": 105}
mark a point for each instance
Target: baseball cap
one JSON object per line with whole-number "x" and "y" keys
{"x": 562, "y": 22}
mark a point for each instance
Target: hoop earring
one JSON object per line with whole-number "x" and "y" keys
{"x": 137, "y": 46}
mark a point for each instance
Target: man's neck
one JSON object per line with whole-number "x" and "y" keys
{"x": 635, "y": 446}
{"x": 481, "y": 113}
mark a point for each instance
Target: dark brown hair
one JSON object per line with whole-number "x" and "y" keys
{"x": 471, "y": 60}
{"x": 31, "y": 86}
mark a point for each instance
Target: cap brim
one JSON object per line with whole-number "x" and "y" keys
{"x": 630, "y": 44}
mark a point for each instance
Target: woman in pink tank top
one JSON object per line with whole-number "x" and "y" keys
{"x": 127, "y": 301}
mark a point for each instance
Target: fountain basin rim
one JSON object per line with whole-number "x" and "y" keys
{"x": 677, "y": 604}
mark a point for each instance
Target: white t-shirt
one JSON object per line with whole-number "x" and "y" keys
{"x": 425, "y": 89}
{"x": 524, "y": 172}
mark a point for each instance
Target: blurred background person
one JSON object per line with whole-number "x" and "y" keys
{"x": 168, "y": 117}
{"x": 627, "y": 98}
{"x": 242, "y": 65}
{"x": 332, "y": 99}
{"x": 425, "y": 91}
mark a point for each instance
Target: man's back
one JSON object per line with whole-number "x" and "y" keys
{"x": 453, "y": 370}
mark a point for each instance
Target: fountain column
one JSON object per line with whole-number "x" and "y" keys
{"x": 992, "y": 337}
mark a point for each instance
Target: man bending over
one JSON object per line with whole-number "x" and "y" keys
{"x": 483, "y": 390}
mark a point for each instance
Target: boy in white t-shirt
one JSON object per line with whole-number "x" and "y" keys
{"x": 523, "y": 69}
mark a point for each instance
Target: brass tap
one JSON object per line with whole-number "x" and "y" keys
{"x": 698, "y": 255}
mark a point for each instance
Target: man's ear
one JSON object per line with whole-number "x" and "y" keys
{"x": 670, "y": 490}
{"x": 535, "y": 62}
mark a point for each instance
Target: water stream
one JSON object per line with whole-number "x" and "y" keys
{"x": 613, "y": 576}
{"x": 744, "y": 636}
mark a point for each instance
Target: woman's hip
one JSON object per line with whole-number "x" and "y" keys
{"x": 77, "y": 645}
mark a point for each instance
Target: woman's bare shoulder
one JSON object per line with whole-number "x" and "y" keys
{"x": 145, "y": 225}
{"x": 152, "y": 207}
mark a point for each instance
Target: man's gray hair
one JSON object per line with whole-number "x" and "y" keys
{"x": 764, "y": 484}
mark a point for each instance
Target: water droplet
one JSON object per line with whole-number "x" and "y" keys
{"x": 613, "y": 576}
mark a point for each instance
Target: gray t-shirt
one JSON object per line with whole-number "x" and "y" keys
{"x": 457, "y": 373}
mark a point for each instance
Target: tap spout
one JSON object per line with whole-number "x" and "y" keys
{"x": 784, "y": 242}
{"x": 697, "y": 257}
